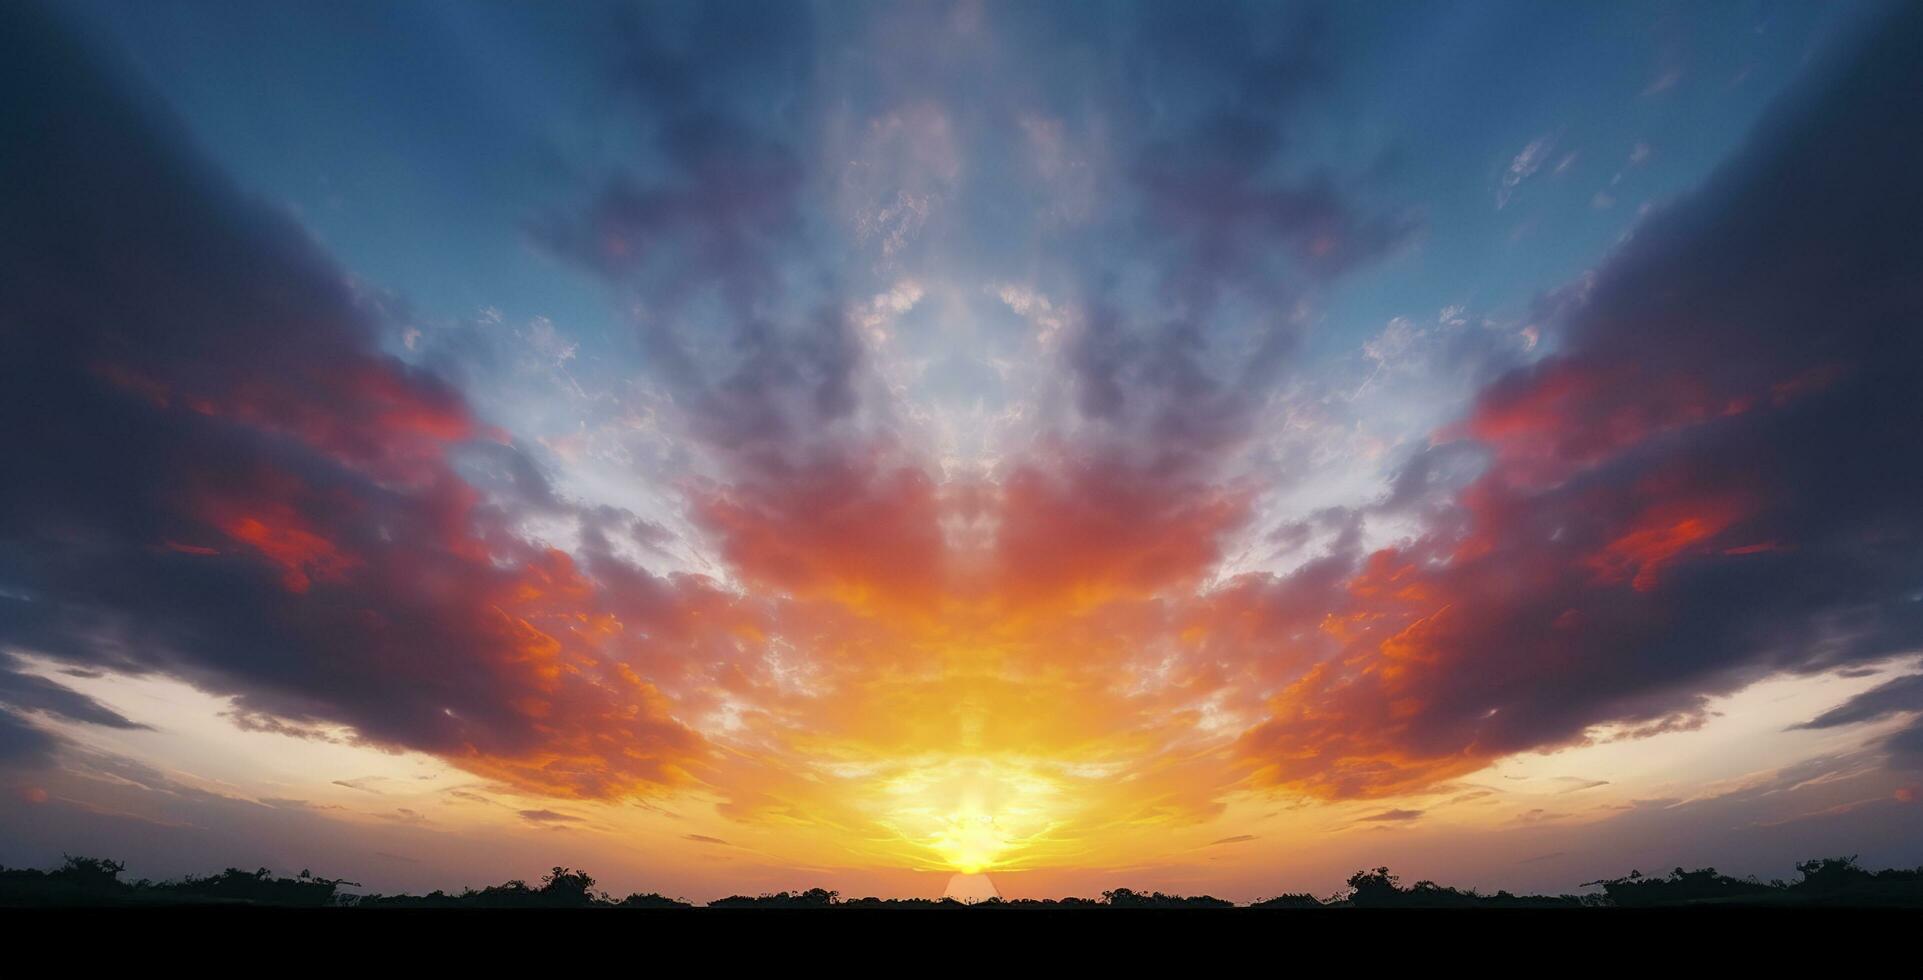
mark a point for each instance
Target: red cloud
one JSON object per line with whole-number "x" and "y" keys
{"x": 854, "y": 528}
{"x": 1702, "y": 488}
{"x": 1087, "y": 531}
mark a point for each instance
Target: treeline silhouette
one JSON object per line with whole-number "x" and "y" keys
{"x": 1825, "y": 882}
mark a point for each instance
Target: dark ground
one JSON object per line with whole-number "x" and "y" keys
{"x": 1034, "y": 942}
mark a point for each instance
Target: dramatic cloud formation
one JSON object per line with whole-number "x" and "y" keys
{"x": 963, "y": 436}
{"x": 1690, "y": 494}
{"x": 230, "y": 484}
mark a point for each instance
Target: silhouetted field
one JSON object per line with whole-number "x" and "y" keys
{"x": 1821, "y": 883}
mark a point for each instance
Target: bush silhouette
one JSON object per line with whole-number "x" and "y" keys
{"x": 1123, "y": 898}
{"x": 651, "y": 900}
{"x": 1289, "y": 900}
{"x": 258, "y": 887}
{"x": 813, "y": 898}
{"x": 89, "y": 881}
{"x": 1679, "y": 887}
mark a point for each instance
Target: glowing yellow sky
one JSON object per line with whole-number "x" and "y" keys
{"x": 1041, "y": 826}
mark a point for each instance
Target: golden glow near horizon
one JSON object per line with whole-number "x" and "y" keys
{"x": 959, "y": 813}
{"x": 972, "y": 815}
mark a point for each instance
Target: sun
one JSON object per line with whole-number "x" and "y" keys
{"x": 970, "y": 843}
{"x": 971, "y": 888}
{"x": 969, "y": 814}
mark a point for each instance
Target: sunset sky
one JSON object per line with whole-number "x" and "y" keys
{"x": 745, "y": 446}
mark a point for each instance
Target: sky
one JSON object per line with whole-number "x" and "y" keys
{"x": 732, "y": 447}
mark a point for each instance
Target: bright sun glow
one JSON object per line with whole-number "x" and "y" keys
{"x": 972, "y": 815}
{"x": 971, "y": 841}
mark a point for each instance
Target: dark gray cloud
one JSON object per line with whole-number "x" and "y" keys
{"x": 728, "y": 196}
{"x": 1903, "y": 694}
{"x": 30, "y": 692}
{"x": 229, "y": 483}
{"x": 1186, "y": 289}
{"x": 704, "y": 218}
{"x": 1705, "y": 485}
{"x": 23, "y": 744}
{"x": 1207, "y": 109}
{"x": 1905, "y": 748}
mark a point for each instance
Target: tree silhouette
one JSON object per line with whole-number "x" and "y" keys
{"x": 86, "y": 872}
{"x": 1374, "y": 888}
{"x": 88, "y": 881}
{"x": 567, "y": 888}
